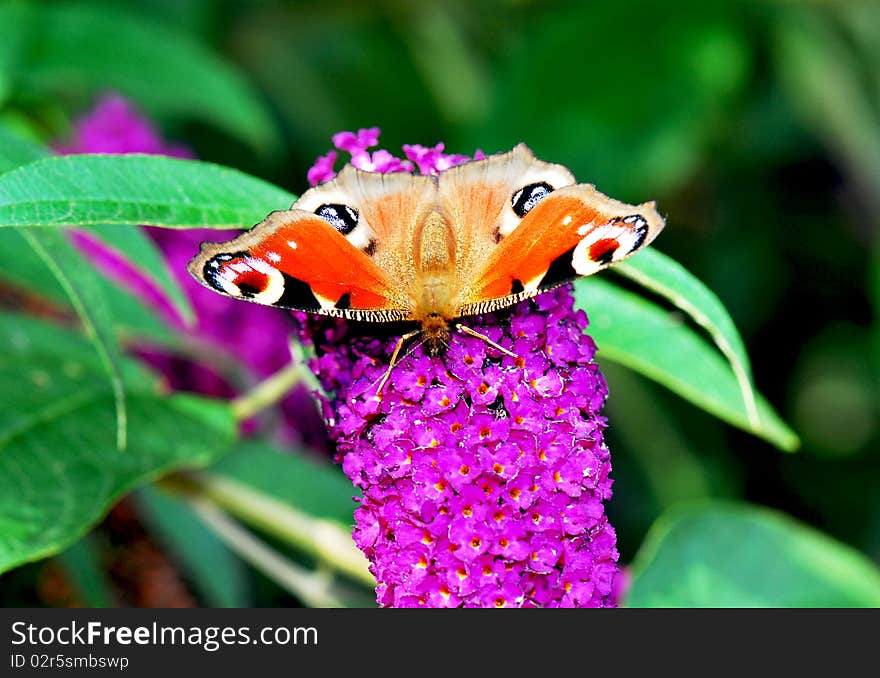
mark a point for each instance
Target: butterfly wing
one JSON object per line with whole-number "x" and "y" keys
{"x": 336, "y": 252}
{"x": 295, "y": 259}
{"x": 478, "y": 199}
{"x": 568, "y": 233}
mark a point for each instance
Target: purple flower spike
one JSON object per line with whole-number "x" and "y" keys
{"x": 483, "y": 476}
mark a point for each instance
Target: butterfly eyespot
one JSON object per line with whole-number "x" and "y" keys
{"x": 639, "y": 230}
{"x": 240, "y": 275}
{"x": 528, "y": 196}
{"x": 214, "y": 270}
{"x": 341, "y": 217}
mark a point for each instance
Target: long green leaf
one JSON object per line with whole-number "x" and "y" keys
{"x": 77, "y": 190}
{"x": 132, "y": 244}
{"x": 60, "y": 470}
{"x": 639, "y": 334}
{"x": 131, "y": 316}
{"x": 141, "y": 253}
{"x": 730, "y": 555}
{"x": 665, "y": 276}
{"x": 80, "y": 283}
{"x": 45, "y": 370}
{"x": 60, "y": 477}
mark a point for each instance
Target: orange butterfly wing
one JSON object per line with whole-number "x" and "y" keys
{"x": 295, "y": 259}
{"x": 573, "y": 232}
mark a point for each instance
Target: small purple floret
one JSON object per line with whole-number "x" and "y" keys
{"x": 428, "y": 160}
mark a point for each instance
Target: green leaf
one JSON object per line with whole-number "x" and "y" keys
{"x": 56, "y": 368}
{"x": 27, "y": 270}
{"x": 639, "y": 334}
{"x": 74, "y": 48}
{"x": 730, "y": 555}
{"x": 132, "y": 244}
{"x": 59, "y": 476}
{"x": 77, "y": 190}
{"x": 665, "y": 276}
{"x": 138, "y": 249}
{"x": 131, "y": 316}
{"x": 15, "y": 150}
{"x": 320, "y": 490}
{"x": 80, "y": 283}
{"x": 60, "y": 469}
{"x": 215, "y": 572}
{"x": 82, "y": 564}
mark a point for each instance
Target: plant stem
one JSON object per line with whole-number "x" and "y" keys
{"x": 325, "y": 540}
{"x": 315, "y": 589}
{"x": 267, "y": 392}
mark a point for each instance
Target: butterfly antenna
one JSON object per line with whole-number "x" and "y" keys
{"x": 467, "y": 330}
{"x": 400, "y": 342}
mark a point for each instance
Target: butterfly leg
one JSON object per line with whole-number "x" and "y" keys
{"x": 400, "y": 342}
{"x": 467, "y": 330}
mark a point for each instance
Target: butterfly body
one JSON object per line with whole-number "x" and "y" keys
{"x": 476, "y": 238}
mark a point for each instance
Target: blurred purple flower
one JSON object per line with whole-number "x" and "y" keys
{"x": 252, "y": 339}
{"x": 621, "y": 586}
{"x": 114, "y": 126}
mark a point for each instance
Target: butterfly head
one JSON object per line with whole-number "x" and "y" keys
{"x": 435, "y": 329}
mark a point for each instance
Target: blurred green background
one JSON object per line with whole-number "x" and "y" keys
{"x": 755, "y": 126}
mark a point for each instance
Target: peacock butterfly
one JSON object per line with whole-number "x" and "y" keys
{"x": 475, "y": 238}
